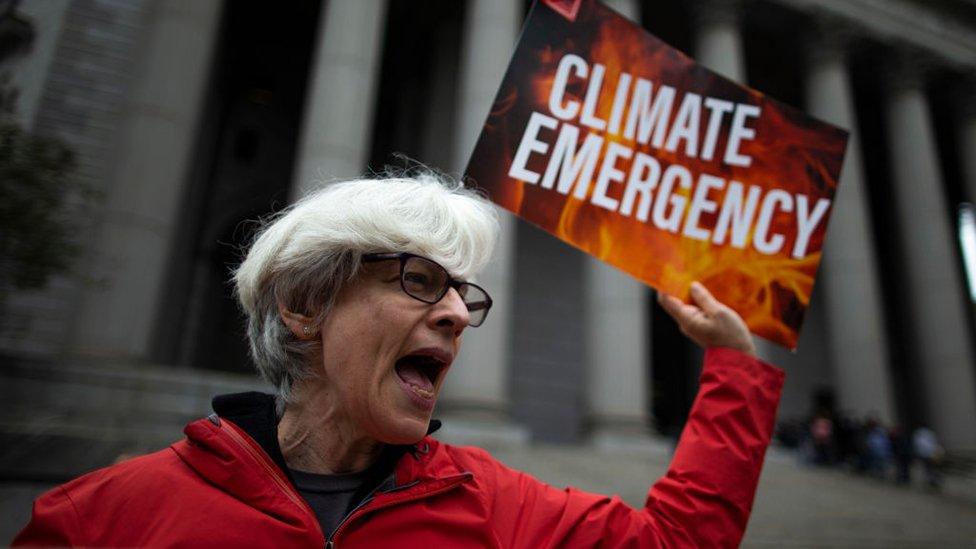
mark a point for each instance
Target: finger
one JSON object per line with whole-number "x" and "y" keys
{"x": 681, "y": 312}
{"x": 704, "y": 299}
{"x": 667, "y": 303}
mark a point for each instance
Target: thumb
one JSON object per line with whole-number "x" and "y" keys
{"x": 704, "y": 299}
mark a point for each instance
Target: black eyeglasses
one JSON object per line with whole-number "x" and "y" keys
{"x": 426, "y": 281}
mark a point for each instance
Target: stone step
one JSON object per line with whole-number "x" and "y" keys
{"x": 61, "y": 419}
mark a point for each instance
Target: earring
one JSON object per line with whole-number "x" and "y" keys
{"x": 307, "y": 330}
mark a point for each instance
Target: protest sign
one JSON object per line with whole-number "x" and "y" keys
{"x": 624, "y": 147}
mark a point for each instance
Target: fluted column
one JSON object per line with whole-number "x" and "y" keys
{"x": 617, "y": 331}
{"x": 848, "y": 277}
{"x": 158, "y": 130}
{"x": 488, "y": 39}
{"x": 935, "y": 299}
{"x": 718, "y": 41}
{"x": 338, "y": 120}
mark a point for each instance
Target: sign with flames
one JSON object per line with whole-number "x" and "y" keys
{"x": 624, "y": 147}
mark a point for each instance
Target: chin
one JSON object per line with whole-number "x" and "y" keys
{"x": 406, "y": 431}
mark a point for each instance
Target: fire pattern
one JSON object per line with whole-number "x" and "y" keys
{"x": 791, "y": 151}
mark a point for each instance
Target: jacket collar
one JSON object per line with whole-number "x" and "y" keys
{"x": 226, "y": 457}
{"x": 255, "y": 422}
{"x": 244, "y": 460}
{"x": 255, "y": 414}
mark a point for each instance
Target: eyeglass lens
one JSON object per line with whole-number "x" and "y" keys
{"x": 424, "y": 279}
{"x": 427, "y": 281}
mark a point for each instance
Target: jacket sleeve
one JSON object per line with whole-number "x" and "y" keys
{"x": 54, "y": 522}
{"x": 704, "y": 499}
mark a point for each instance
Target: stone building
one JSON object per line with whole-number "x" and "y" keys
{"x": 193, "y": 117}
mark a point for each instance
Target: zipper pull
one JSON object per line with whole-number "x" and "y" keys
{"x": 329, "y": 544}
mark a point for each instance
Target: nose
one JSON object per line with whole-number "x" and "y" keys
{"x": 450, "y": 313}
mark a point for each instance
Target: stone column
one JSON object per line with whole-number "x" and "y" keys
{"x": 338, "y": 121}
{"x": 935, "y": 298}
{"x": 617, "y": 330}
{"x": 158, "y": 133}
{"x": 719, "y": 47}
{"x": 718, "y": 42}
{"x": 848, "y": 279}
{"x": 628, "y": 8}
{"x": 488, "y": 39}
{"x": 967, "y": 152}
{"x": 967, "y": 141}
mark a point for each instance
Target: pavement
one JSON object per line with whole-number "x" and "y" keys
{"x": 796, "y": 506}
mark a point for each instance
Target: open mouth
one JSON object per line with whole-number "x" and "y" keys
{"x": 421, "y": 371}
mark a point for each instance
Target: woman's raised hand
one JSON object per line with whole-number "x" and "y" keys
{"x": 708, "y": 322}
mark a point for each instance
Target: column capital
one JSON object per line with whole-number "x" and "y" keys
{"x": 716, "y": 12}
{"x": 829, "y": 37}
{"x": 905, "y": 68}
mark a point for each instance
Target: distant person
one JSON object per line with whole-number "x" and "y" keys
{"x": 822, "y": 435}
{"x": 878, "y": 447}
{"x": 356, "y": 300}
{"x": 901, "y": 451}
{"x": 928, "y": 450}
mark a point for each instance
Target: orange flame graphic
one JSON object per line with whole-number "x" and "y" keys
{"x": 790, "y": 151}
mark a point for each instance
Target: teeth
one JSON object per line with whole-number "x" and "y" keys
{"x": 421, "y": 391}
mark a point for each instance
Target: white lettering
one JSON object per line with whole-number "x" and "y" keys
{"x": 588, "y": 117}
{"x": 806, "y": 222}
{"x": 609, "y": 174}
{"x": 571, "y": 165}
{"x": 701, "y": 204}
{"x": 619, "y": 102}
{"x": 763, "y": 242}
{"x": 686, "y": 126}
{"x": 739, "y": 132}
{"x": 531, "y": 144}
{"x": 672, "y": 220}
{"x": 651, "y": 115}
{"x": 717, "y": 111}
{"x": 569, "y": 63}
{"x": 736, "y": 214}
{"x": 639, "y": 183}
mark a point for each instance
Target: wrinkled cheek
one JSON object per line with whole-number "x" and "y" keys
{"x": 383, "y": 403}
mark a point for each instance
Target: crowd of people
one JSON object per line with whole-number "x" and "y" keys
{"x": 866, "y": 446}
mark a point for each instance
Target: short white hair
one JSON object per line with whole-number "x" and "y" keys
{"x": 304, "y": 255}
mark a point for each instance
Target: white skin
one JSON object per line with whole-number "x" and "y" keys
{"x": 342, "y": 418}
{"x": 707, "y": 321}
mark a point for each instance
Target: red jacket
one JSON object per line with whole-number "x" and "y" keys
{"x": 218, "y": 488}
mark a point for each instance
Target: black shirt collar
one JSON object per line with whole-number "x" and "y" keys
{"x": 255, "y": 413}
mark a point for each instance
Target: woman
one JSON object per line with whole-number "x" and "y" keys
{"x": 356, "y": 300}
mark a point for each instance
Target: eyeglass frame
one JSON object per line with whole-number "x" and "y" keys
{"x": 451, "y": 282}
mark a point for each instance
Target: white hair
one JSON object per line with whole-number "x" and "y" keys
{"x": 304, "y": 255}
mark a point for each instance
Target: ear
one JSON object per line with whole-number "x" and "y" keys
{"x": 299, "y": 324}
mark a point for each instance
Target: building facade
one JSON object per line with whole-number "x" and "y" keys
{"x": 193, "y": 118}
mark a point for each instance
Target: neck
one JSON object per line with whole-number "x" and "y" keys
{"x": 316, "y": 437}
